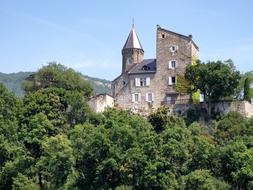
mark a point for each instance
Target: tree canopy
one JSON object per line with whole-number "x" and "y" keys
{"x": 49, "y": 139}
{"x": 215, "y": 80}
{"x": 59, "y": 76}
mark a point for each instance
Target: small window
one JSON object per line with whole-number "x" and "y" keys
{"x": 172, "y": 81}
{"x": 145, "y": 68}
{"x": 143, "y": 82}
{"x": 163, "y": 35}
{"x": 136, "y": 97}
{"x": 172, "y": 64}
{"x": 150, "y": 97}
{"x": 173, "y": 49}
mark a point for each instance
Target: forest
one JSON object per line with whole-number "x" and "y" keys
{"x": 50, "y": 139}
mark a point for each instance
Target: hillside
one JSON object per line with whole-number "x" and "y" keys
{"x": 13, "y": 82}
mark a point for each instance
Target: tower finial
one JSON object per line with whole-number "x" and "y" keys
{"x": 133, "y": 22}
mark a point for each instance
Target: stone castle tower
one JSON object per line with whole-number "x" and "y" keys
{"x": 146, "y": 84}
{"x": 132, "y": 51}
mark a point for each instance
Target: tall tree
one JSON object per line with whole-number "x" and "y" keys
{"x": 59, "y": 76}
{"x": 248, "y": 92}
{"x": 215, "y": 80}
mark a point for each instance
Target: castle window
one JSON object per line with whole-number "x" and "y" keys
{"x": 172, "y": 64}
{"x": 136, "y": 97}
{"x": 145, "y": 81}
{"x": 145, "y": 68}
{"x": 173, "y": 49}
{"x": 150, "y": 97}
{"x": 172, "y": 81}
{"x": 163, "y": 35}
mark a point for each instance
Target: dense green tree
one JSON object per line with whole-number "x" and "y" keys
{"x": 162, "y": 118}
{"x": 9, "y": 105}
{"x": 60, "y": 106}
{"x": 231, "y": 125}
{"x": 56, "y": 165}
{"x": 202, "y": 180}
{"x": 59, "y": 76}
{"x": 248, "y": 92}
{"x": 236, "y": 164}
{"x": 240, "y": 91}
{"x": 215, "y": 80}
{"x": 22, "y": 182}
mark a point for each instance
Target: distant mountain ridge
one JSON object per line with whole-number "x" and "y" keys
{"x": 13, "y": 82}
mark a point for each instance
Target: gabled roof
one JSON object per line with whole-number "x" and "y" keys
{"x": 146, "y": 66}
{"x": 132, "y": 40}
{"x": 189, "y": 38}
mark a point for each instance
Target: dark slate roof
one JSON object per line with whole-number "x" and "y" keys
{"x": 189, "y": 38}
{"x": 146, "y": 66}
{"x": 132, "y": 40}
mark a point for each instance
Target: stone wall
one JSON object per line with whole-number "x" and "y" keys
{"x": 243, "y": 107}
{"x": 222, "y": 107}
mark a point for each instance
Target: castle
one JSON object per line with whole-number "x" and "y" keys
{"x": 146, "y": 84}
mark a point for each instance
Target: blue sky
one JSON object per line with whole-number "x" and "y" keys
{"x": 88, "y": 35}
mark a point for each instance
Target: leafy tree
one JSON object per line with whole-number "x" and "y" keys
{"x": 231, "y": 125}
{"x": 9, "y": 105}
{"x": 59, "y": 76}
{"x": 236, "y": 164}
{"x": 61, "y": 107}
{"x": 56, "y": 163}
{"x": 162, "y": 118}
{"x": 35, "y": 132}
{"x": 240, "y": 91}
{"x": 248, "y": 92}
{"x": 215, "y": 80}
{"x": 22, "y": 182}
{"x": 202, "y": 180}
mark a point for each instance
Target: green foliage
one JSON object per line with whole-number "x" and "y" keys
{"x": 183, "y": 85}
{"x": 50, "y": 139}
{"x": 248, "y": 92}
{"x": 215, "y": 80}
{"x": 22, "y": 182}
{"x": 202, "y": 180}
{"x": 196, "y": 97}
{"x": 231, "y": 125}
{"x": 123, "y": 187}
{"x": 9, "y": 105}
{"x": 59, "y": 76}
{"x": 56, "y": 165}
{"x": 60, "y": 106}
{"x": 246, "y": 77}
{"x": 14, "y": 82}
{"x": 161, "y": 119}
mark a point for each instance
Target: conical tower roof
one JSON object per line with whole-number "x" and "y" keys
{"x": 132, "y": 40}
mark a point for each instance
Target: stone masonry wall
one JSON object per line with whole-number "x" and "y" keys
{"x": 183, "y": 56}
